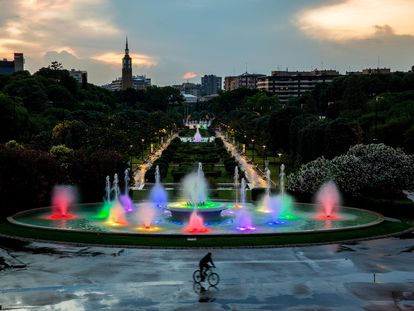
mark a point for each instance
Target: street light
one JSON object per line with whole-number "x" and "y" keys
{"x": 142, "y": 149}
{"x": 265, "y": 156}
{"x": 131, "y": 147}
{"x": 252, "y": 150}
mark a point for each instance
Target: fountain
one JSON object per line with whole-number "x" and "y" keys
{"x": 158, "y": 195}
{"x": 243, "y": 217}
{"x": 328, "y": 200}
{"x": 236, "y": 187}
{"x": 197, "y": 136}
{"x": 265, "y": 206}
{"x": 63, "y": 197}
{"x": 194, "y": 192}
{"x": 117, "y": 215}
{"x": 146, "y": 215}
{"x": 125, "y": 199}
{"x": 195, "y": 209}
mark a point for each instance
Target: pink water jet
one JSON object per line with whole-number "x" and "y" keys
{"x": 63, "y": 197}
{"x": 146, "y": 214}
{"x": 196, "y": 224}
{"x": 328, "y": 200}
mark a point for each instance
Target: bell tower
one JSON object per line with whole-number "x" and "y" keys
{"x": 126, "y": 68}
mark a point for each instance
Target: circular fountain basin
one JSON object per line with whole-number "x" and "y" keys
{"x": 182, "y": 211}
{"x": 302, "y": 218}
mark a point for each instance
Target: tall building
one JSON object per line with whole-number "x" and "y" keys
{"x": 79, "y": 75}
{"x": 369, "y": 71}
{"x": 8, "y": 67}
{"x": 246, "y": 80}
{"x": 189, "y": 88}
{"x": 288, "y": 84}
{"x": 210, "y": 84}
{"x": 126, "y": 69}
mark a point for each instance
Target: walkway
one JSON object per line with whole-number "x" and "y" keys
{"x": 372, "y": 275}
{"x": 254, "y": 178}
{"x": 139, "y": 173}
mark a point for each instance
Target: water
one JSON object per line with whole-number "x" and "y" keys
{"x": 158, "y": 195}
{"x": 115, "y": 187}
{"x": 194, "y": 187}
{"x": 328, "y": 199}
{"x": 197, "y": 136}
{"x": 146, "y": 215}
{"x": 236, "y": 186}
{"x": 243, "y": 217}
{"x": 63, "y": 197}
{"x": 282, "y": 180}
{"x": 107, "y": 189}
{"x": 126, "y": 181}
{"x": 268, "y": 182}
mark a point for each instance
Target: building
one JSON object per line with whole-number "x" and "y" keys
{"x": 231, "y": 83}
{"x": 369, "y": 71}
{"x": 210, "y": 84}
{"x": 9, "y": 67}
{"x": 138, "y": 83}
{"x": 79, "y": 75}
{"x": 189, "y": 88}
{"x": 189, "y": 98}
{"x": 246, "y": 80}
{"x": 126, "y": 69}
{"x": 289, "y": 84}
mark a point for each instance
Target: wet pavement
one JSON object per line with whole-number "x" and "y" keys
{"x": 370, "y": 275}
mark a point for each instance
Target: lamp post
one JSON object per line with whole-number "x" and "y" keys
{"x": 252, "y": 150}
{"x": 142, "y": 149}
{"x": 131, "y": 147}
{"x": 265, "y": 157}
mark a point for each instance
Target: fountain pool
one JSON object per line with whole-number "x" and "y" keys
{"x": 196, "y": 214}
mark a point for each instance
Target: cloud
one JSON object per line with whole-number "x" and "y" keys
{"x": 348, "y": 20}
{"x": 189, "y": 75}
{"x": 113, "y": 58}
{"x": 55, "y": 24}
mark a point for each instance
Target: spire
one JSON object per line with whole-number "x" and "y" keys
{"x": 126, "y": 46}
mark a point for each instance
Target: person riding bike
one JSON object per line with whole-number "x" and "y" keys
{"x": 204, "y": 265}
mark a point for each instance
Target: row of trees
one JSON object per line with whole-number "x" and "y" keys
{"x": 326, "y": 121}
{"x": 54, "y": 130}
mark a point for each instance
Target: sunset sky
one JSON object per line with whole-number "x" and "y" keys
{"x": 174, "y": 40}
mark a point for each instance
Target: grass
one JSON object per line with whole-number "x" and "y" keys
{"x": 385, "y": 228}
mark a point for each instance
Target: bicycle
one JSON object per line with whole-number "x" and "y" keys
{"x": 212, "y": 278}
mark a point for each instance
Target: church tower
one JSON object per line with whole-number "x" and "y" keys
{"x": 126, "y": 69}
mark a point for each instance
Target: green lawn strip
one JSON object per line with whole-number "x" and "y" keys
{"x": 385, "y": 228}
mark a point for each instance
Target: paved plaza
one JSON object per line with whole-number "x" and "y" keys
{"x": 370, "y": 275}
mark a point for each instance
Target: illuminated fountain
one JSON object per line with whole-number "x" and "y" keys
{"x": 236, "y": 187}
{"x": 117, "y": 215}
{"x": 243, "y": 217}
{"x": 146, "y": 215}
{"x": 197, "y": 136}
{"x": 195, "y": 214}
{"x": 125, "y": 199}
{"x": 265, "y": 206}
{"x": 63, "y": 197}
{"x": 158, "y": 195}
{"x": 194, "y": 193}
{"x": 328, "y": 200}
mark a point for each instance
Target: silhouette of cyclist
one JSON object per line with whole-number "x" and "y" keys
{"x": 204, "y": 265}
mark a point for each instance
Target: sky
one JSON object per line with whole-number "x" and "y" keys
{"x": 173, "y": 41}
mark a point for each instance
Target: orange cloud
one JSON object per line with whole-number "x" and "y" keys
{"x": 358, "y": 19}
{"x": 52, "y": 24}
{"x": 112, "y": 58}
{"x": 189, "y": 75}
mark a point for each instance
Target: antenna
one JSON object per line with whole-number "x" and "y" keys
{"x": 378, "y": 62}
{"x": 246, "y": 67}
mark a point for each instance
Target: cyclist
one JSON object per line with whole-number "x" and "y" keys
{"x": 204, "y": 265}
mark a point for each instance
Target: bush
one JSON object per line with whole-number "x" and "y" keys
{"x": 374, "y": 169}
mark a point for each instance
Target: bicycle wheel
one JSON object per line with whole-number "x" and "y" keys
{"x": 213, "y": 279}
{"x": 197, "y": 288}
{"x": 197, "y": 276}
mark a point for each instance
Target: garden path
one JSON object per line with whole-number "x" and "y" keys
{"x": 254, "y": 178}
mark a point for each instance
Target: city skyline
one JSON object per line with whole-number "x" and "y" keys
{"x": 179, "y": 40}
